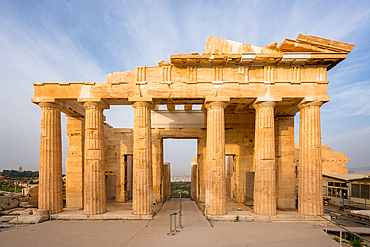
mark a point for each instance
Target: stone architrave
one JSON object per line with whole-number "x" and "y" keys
{"x": 310, "y": 194}
{"x": 265, "y": 176}
{"x": 142, "y": 159}
{"x": 50, "y": 169}
{"x": 94, "y": 168}
{"x": 215, "y": 156}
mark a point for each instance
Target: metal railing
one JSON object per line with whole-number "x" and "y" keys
{"x": 362, "y": 203}
{"x": 340, "y": 232}
{"x": 202, "y": 207}
{"x": 158, "y": 205}
{"x": 179, "y": 214}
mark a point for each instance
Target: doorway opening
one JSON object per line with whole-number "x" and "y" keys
{"x": 179, "y": 154}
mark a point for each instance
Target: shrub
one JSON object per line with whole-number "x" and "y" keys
{"x": 355, "y": 241}
{"x": 336, "y": 238}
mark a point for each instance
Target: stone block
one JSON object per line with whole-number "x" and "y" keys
{"x": 23, "y": 204}
{"x": 30, "y": 191}
{"x": 6, "y": 218}
{"x": 17, "y": 195}
{"x": 25, "y": 212}
{"x": 42, "y": 212}
{"x": 30, "y": 219}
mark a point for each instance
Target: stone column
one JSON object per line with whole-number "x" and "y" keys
{"x": 215, "y": 157}
{"x": 264, "y": 178}
{"x": 75, "y": 162}
{"x": 142, "y": 166}
{"x": 201, "y": 162}
{"x": 285, "y": 185}
{"x": 129, "y": 176}
{"x": 157, "y": 164}
{"x": 94, "y": 169}
{"x": 310, "y": 197}
{"x": 167, "y": 179}
{"x": 50, "y": 169}
{"x": 194, "y": 179}
{"x": 228, "y": 175}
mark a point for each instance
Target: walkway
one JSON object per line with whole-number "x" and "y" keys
{"x": 196, "y": 232}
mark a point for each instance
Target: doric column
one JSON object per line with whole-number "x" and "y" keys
{"x": 228, "y": 175}
{"x": 215, "y": 156}
{"x": 167, "y": 179}
{"x": 157, "y": 164}
{"x": 310, "y": 197}
{"x": 142, "y": 166}
{"x": 194, "y": 179}
{"x": 201, "y": 162}
{"x": 264, "y": 178}
{"x": 94, "y": 169}
{"x": 50, "y": 170}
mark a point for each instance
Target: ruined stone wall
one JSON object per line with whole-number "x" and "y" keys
{"x": 332, "y": 162}
{"x": 118, "y": 143}
{"x": 239, "y": 142}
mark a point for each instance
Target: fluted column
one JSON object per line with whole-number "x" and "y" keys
{"x": 215, "y": 158}
{"x": 94, "y": 168}
{"x": 50, "y": 170}
{"x": 310, "y": 195}
{"x": 142, "y": 166}
{"x": 265, "y": 177}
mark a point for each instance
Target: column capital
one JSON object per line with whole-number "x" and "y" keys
{"x": 95, "y": 104}
{"x": 48, "y": 104}
{"x": 212, "y": 102}
{"x": 141, "y": 101}
{"x": 264, "y": 102}
{"x": 310, "y": 102}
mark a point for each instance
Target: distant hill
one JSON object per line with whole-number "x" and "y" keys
{"x": 359, "y": 170}
{"x": 18, "y": 174}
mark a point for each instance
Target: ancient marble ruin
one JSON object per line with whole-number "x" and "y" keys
{"x": 248, "y": 97}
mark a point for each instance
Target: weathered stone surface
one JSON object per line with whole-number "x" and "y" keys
{"x": 310, "y": 194}
{"x": 43, "y": 213}
{"x": 7, "y": 202}
{"x": 215, "y": 166}
{"x": 50, "y": 171}
{"x": 30, "y": 191}
{"x": 255, "y": 134}
{"x": 6, "y": 218}
{"x": 142, "y": 160}
{"x": 75, "y": 162}
{"x": 332, "y": 162}
{"x": 265, "y": 173}
{"x": 31, "y": 219}
{"x": 285, "y": 174}
{"x": 94, "y": 159}
{"x": 24, "y": 204}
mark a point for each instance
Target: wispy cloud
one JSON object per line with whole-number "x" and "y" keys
{"x": 350, "y": 100}
{"x": 85, "y": 40}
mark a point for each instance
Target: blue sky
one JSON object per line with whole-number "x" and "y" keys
{"x": 85, "y": 40}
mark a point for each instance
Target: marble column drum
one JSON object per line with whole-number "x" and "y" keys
{"x": 94, "y": 168}
{"x": 142, "y": 166}
{"x": 50, "y": 169}
{"x": 215, "y": 159}
{"x": 265, "y": 176}
{"x": 310, "y": 194}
